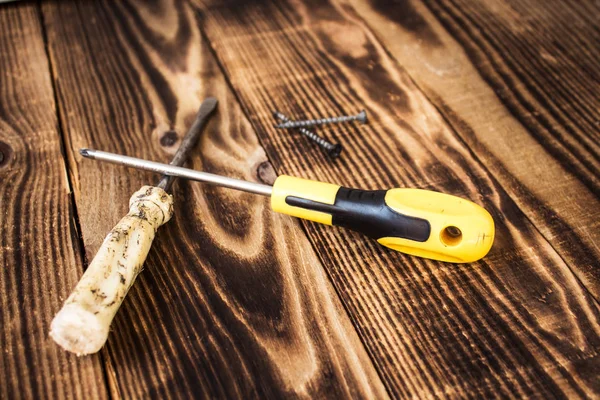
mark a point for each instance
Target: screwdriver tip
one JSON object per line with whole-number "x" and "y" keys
{"x": 86, "y": 153}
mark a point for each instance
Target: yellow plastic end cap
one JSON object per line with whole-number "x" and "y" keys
{"x": 461, "y": 231}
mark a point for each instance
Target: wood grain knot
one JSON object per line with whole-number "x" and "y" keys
{"x": 168, "y": 139}
{"x": 265, "y": 173}
{"x": 5, "y": 154}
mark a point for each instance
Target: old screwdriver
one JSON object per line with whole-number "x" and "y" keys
{"x": 414, "y": 221}
{"x": 82, "y": 324}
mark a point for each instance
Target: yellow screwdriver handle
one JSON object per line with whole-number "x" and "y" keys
{"x": 423, "y": 223}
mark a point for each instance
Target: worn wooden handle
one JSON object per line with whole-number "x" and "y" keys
{"x": 82, "y": 325}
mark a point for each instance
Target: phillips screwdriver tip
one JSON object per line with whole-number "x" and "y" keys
{"x": 86, "y": 153}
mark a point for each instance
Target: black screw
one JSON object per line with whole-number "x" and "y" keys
{"x": 332, "y": 149}
{"x": 361, "y": 117}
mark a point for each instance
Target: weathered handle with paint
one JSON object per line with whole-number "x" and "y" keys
{"x": 83, "y": 323}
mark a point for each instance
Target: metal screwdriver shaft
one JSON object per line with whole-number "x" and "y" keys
{"x": 361, "y": 117}
{"x": 175, "y": 171}
{"x": 83, "y": 323}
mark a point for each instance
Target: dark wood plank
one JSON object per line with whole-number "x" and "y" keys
{"x": 518, "y": 323}
{"x": 519, "y": 86}
{"x": 233, "y": 302}
{"x": 39, "y": 245}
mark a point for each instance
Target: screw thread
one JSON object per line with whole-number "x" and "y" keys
{"x": 316, "y": 139}
{"x": 287, "y": 124}
{"x": 332, "y": 149}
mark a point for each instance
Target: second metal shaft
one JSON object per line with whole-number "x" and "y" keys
{"x": 189, "y": 140}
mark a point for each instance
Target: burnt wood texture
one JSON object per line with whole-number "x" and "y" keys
{"x": 40, "y": 258}
{"x": 520, "y": 85}
{"x": 493, "y": 101}
{"x": 519, "y": 322}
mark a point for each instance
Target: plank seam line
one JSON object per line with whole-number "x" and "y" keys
{"x": 475, "y": 157}
{"x": 63, "y": 151}
{"x": 317, "y": 253}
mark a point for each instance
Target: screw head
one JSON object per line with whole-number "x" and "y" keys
{"x": 335, "y": 151}
{"x": 362, "y": 117}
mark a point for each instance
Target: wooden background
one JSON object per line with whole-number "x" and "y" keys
{"x": 495, "y": 101}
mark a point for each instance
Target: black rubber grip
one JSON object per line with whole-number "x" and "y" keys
{"x": 365, "y": 211}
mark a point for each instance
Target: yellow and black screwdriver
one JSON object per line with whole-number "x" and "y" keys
{"x": 414, "y": 221}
